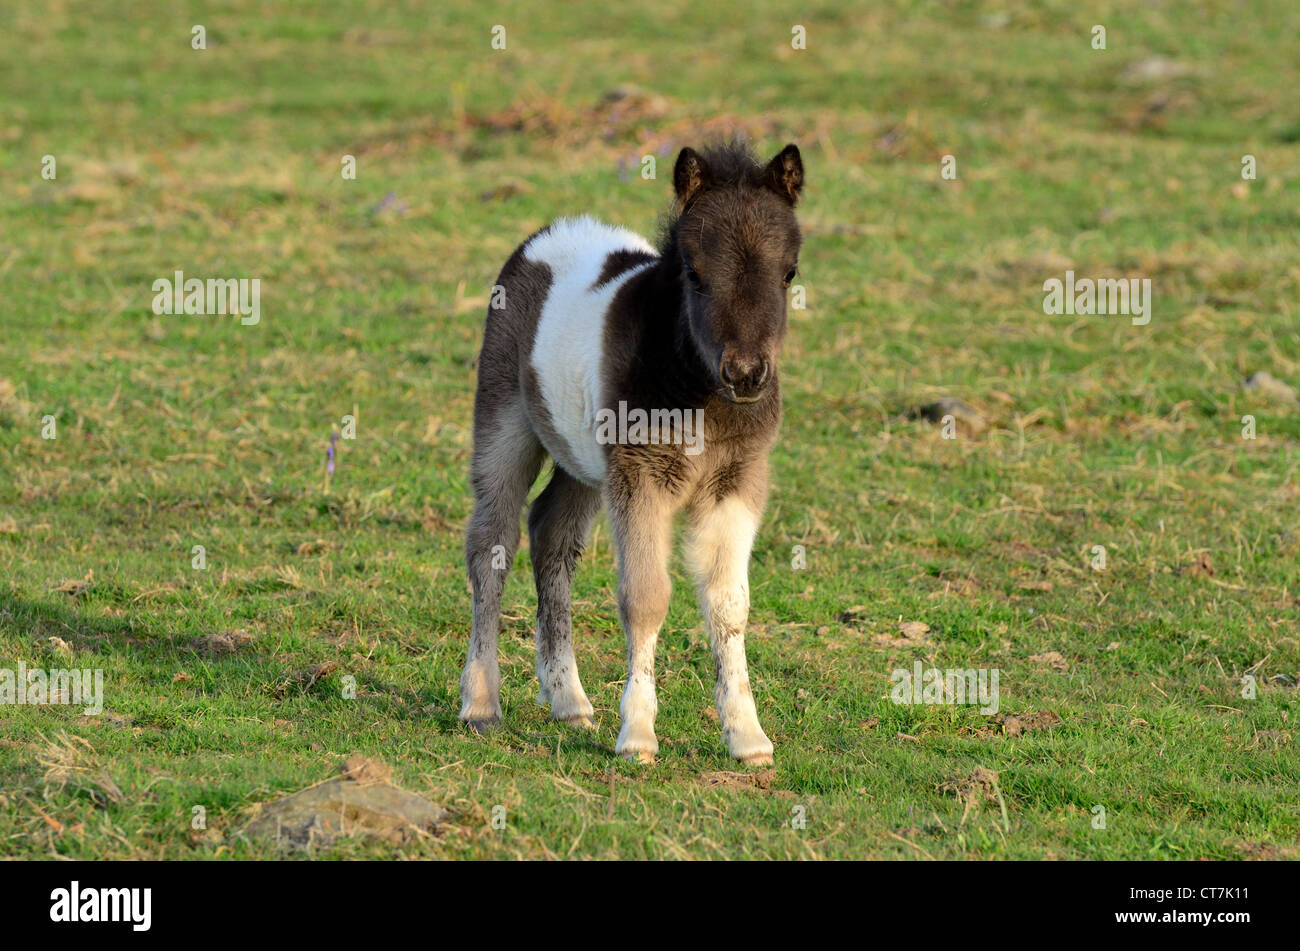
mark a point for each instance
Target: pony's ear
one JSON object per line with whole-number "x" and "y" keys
{"x": 784, "y": 174}
{"x": 690, "y": 176}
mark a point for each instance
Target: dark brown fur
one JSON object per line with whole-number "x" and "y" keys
{"x": 665, "y": 341}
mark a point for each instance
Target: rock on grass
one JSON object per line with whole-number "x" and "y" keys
{"x": 362, "y": 802}
{"x": 964, "y": 415}
{"x": 1270, "y": 387}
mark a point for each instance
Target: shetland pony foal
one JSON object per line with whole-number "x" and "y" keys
{"x": 588, "y": 320}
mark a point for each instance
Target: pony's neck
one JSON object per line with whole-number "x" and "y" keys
{"x": 669, "y": 313}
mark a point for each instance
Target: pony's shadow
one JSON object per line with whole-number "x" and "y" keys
{"x": 141, "y": 639}
{"x": 59, "y": 616}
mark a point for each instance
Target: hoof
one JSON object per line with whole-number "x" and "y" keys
{"x": 637, "y": 743}
{"x": 749, "y": 745}
{"x": 484, "y": 725}
{"x": 580, "y": 722}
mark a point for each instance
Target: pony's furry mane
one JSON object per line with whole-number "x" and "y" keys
{"x": 731, "y": 164}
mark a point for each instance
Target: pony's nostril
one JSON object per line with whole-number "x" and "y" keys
{"x": 744, "y": 377}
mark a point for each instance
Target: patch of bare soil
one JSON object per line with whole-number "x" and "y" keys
{"x": 1016, "y": 724}
{"x": 617, "y": 110}
{"x": 226, "y": 642}
{"x": 1263, "y": 851}
{"x": 982, "y": 783}
{"x": 909, "y": 633}
{"x": 76, "y": 587}
{"x": 980, "y": 787}
{"x": 316, "y": 546}
{"x": 759, "y": 779}
{"x": 1052, "y": 659}
{"x": 362, "y": 802}
{"x": 305, "y": 679}
{"x": 1202, "y": 567}
{"x": 630, "y": 117}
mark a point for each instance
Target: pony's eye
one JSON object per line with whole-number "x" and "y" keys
{"x": 789, "y": 275}
{"x": 692, "y": 276}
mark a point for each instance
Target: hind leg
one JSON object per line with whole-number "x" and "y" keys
{"x": 557, "y": 530}
{"x": 507, "y": 458}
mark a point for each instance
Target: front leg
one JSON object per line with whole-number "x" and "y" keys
{"x": 722, "y": 539}
{"x": 642, "y": 528}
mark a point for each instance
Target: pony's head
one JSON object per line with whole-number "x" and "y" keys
{"x": 738, "y": 241}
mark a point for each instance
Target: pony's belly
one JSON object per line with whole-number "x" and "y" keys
{"x": 569, "y": 381}
{"x": 566, "y": 360}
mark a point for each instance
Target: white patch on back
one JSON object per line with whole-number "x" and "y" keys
{"x": 568, "y": 348}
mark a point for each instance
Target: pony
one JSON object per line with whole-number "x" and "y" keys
{"x": 590, "y": 323}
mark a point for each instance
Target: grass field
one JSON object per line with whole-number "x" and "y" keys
{"x": 1125, "y": 684}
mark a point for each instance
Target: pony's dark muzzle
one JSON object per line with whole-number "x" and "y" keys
{"x": 744, "y": 378}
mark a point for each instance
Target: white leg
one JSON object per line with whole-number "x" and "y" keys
{"x": 644, "y": 538}
{"x": 723, "y": 538}
{"x": 561, "y": 689}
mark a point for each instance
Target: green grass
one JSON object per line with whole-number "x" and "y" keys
{"x": 182, "y": 431}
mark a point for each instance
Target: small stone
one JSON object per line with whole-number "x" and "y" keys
{"x": 1153, "y": 69}
{"x": 962, "y": 413}
{"x": 1270, "y": 387}
{"x": 914, "y": 630}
